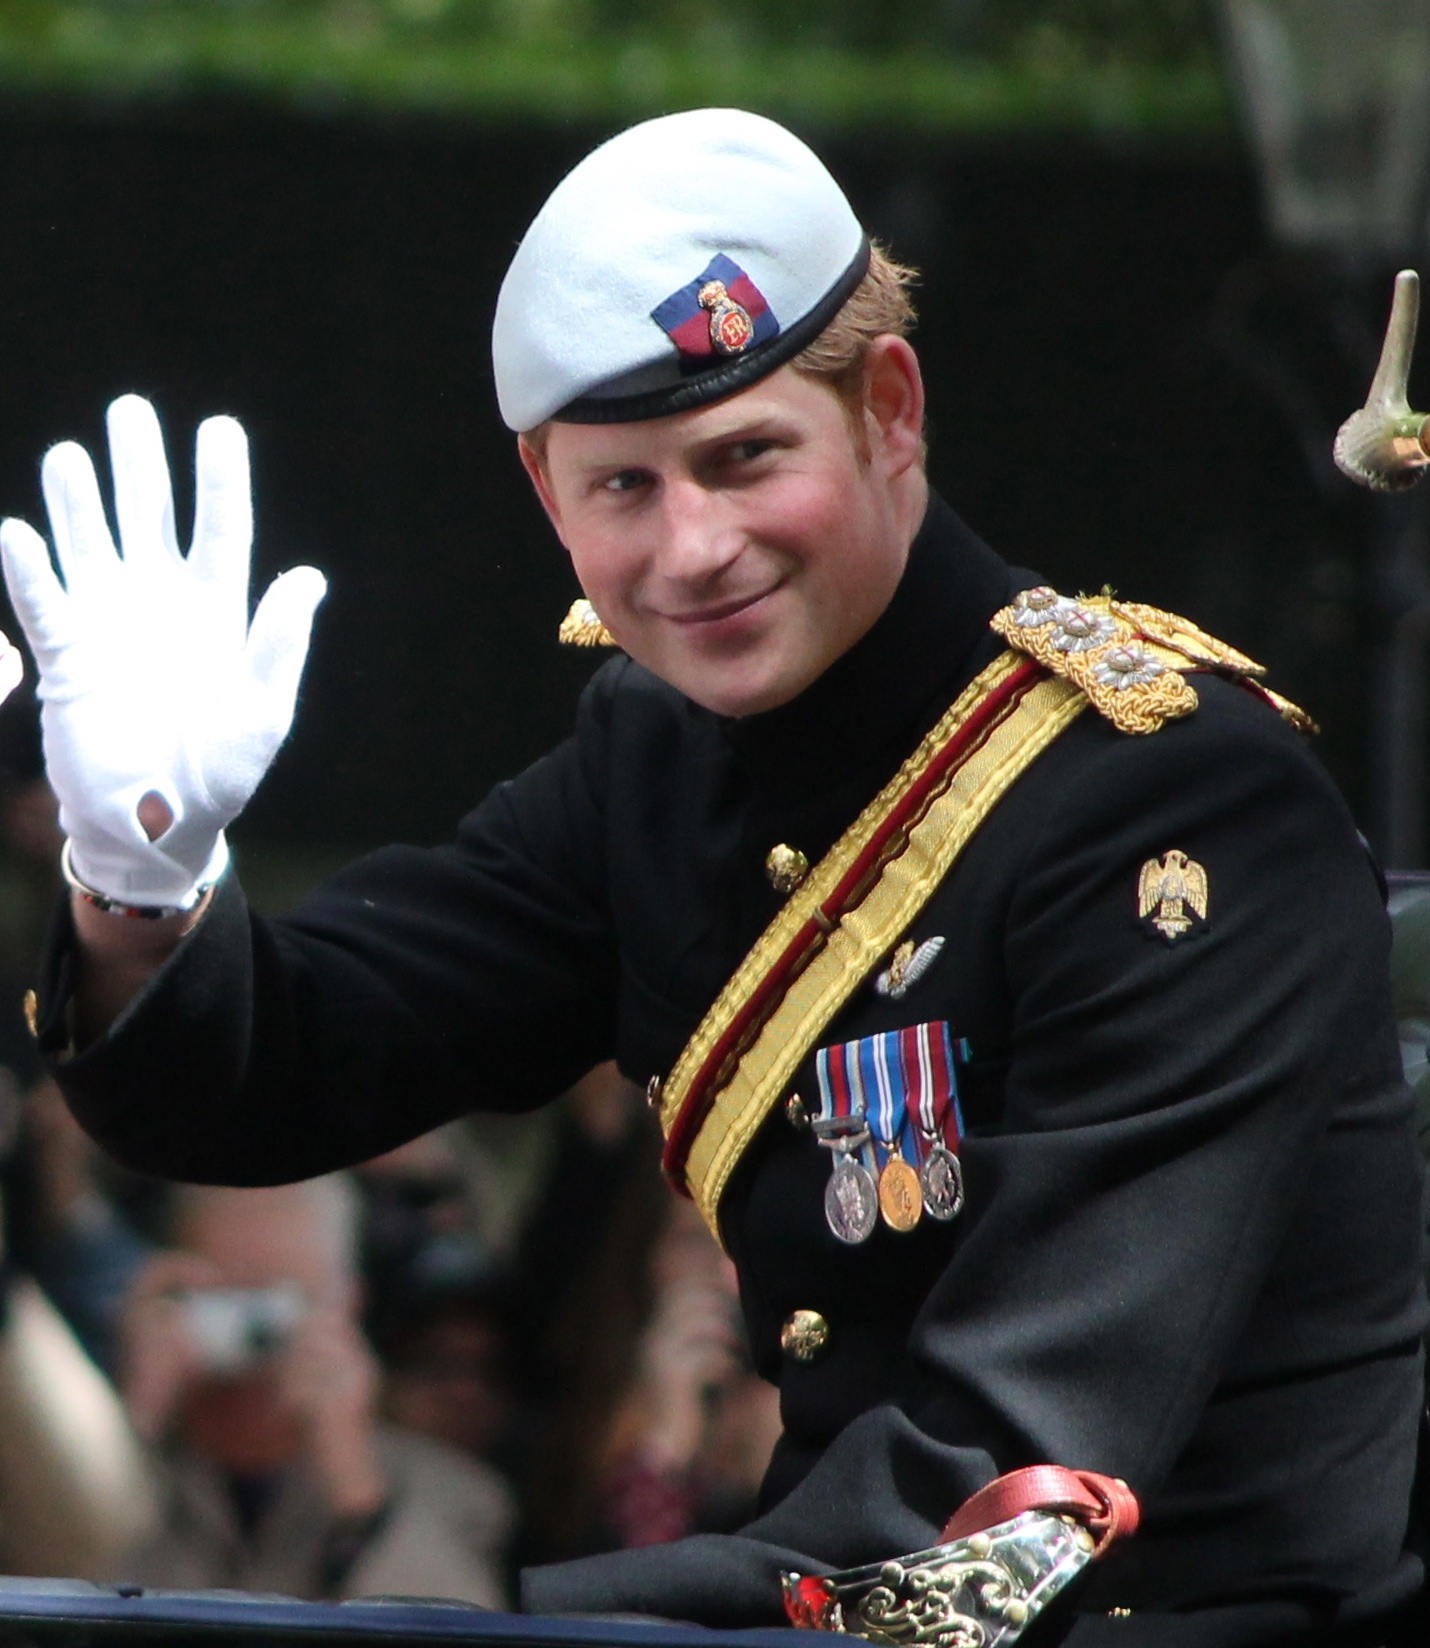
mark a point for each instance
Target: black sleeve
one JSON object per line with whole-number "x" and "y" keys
{"x": 1165, "y": 1109}
{"x": 411, "y": 988}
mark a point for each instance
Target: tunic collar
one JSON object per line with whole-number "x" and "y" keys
{"x": 859, "y": 720}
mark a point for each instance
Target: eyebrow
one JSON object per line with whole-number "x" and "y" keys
{"x": 761, "y": 427}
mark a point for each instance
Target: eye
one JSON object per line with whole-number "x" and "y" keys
{"x": 625, "y": 480}
{"x": 746, "y": 451}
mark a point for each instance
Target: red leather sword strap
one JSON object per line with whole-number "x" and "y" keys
{"x": 1105, "y": 1504}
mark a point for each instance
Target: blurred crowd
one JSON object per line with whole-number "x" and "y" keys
{"x": 505, "y": 1343}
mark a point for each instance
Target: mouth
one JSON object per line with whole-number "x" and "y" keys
{"x": 720, "y": 612}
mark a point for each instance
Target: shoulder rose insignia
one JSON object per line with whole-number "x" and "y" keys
{"x": 1036, "y": 607}
{"x": 1126, "y": 666}
{"x": 1079, "y": 628}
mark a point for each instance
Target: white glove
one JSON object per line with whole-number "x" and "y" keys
{"x": 152, "y": 678}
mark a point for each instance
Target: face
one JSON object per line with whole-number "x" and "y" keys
{"x": 738, "y": 549}
{"x": 450, "y": 1382}
{"x": 245, "y": 1421}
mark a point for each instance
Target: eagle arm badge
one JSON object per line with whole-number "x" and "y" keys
{"x": 1166, "y": 891}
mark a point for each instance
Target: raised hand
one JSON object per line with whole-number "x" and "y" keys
{"x": 330, "y": 1378}
{"x": 156, "y": 687}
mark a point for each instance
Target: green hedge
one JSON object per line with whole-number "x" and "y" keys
{"x": 1101, "y": 65}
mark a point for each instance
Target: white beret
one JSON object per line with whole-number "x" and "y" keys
{"x": 682, "y": 260}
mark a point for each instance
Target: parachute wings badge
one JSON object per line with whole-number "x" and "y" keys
{"x": 907, "y": 966}
{"x": 1167, "y": 890}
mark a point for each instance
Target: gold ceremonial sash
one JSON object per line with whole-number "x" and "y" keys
{"x": 847, "y": 915}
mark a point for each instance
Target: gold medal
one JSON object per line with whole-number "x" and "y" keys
{"x": 901, "y": 1198}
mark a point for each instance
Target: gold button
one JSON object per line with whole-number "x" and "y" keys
{"x": 804, "y": 1335}
{"x": 786, "y": 867}
{"x": 32, "y": 1012}
{"x": 795, "y": 1113}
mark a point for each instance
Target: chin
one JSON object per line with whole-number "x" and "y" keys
{"x": 740, "y": 697}
{"x": 737, "y": 680}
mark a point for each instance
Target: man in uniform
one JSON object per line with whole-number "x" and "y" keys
{"x": 1006, "y": 972}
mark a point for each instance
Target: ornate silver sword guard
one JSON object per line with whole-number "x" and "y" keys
{"x": 1386, "y": 445}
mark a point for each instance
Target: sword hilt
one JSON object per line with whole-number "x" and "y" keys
{"x": 1386, "y": 445}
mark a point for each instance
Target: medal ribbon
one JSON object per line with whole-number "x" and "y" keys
{"x": 928, "y": 1062}
{"x": 890, "y": 1117}
{"x": 842, "y": 1091}
{"x": 885, "y": 1079}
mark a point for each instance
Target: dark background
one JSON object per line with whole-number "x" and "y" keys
{"x": 1112, "y": 361}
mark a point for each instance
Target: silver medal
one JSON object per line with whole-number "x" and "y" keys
{"x": 851, "y": 1201}
{"x": 941, "y": 1179}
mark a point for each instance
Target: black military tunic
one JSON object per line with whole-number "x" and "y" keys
{"x": 1190, "y": 1252}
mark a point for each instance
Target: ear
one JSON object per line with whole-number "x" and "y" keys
{"x": 894, "y": 402}
{"x": 535, "y": 466}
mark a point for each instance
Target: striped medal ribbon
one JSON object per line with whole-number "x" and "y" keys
{"x": 929, "y": 1058}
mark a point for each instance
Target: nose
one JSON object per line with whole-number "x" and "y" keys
{"x": 699, "y": 540}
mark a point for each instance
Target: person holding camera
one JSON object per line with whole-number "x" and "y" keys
{"x": 244, "y": 1367}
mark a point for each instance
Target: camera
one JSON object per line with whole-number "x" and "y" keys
{"x": 231, "y": 1329}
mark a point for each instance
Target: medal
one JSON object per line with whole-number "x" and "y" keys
{"x": 900, "y": 1195}
{"x": 851, "y": 1204}
{"x": 941, "y": 1183}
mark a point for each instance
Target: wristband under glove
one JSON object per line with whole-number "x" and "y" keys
{"x": 138, "y": 912}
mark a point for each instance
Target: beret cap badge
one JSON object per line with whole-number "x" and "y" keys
{"x": 719, "y": 313}
{"x": 731, "y": 328}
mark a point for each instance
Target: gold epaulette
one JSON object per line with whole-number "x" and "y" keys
{"x": 582, "y": 627}
{"x": 1131, "y": 660}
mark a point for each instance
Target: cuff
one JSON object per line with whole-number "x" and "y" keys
{"x": 720, "y": 1580}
